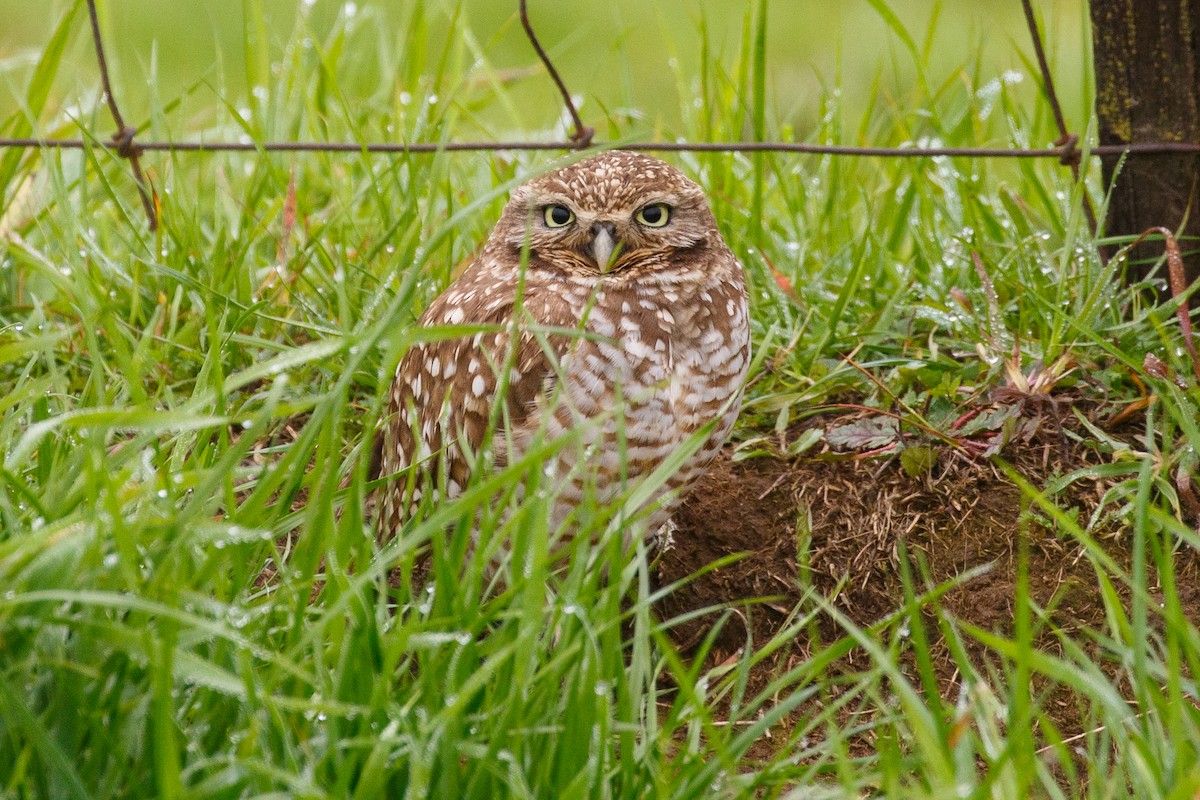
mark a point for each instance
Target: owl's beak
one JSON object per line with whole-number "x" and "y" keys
{"x": 605, "y": 245}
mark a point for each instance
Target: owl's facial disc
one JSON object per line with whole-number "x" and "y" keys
{"x": 605, "y": 246}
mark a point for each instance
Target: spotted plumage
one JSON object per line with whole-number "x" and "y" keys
{"x": 605, "y": 305}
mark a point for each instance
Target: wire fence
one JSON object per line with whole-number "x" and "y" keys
{"x": 125, "y": 145}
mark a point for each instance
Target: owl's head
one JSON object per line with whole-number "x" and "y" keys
{"x": 616, "y": 212}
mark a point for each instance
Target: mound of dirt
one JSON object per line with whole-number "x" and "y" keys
{"x": 839, "y": 524}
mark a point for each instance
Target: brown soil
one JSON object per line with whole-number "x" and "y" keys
{"x": 839, "y": 524}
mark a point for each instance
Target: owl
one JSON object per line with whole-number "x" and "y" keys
{"x": 605, "y": 307}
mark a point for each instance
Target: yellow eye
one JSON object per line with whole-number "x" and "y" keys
{"x": 558, "y": 216}
{"x": 654, "y": 215}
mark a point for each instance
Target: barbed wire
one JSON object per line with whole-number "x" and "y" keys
{"x": 1066, "y": 149}
{"x": 123, "y": 138}
{"x": 1064, "y": 153}
{"x": 582, "y": 135}
{"x": 1066, "y": 139}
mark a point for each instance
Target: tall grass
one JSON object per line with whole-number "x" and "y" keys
{"x": 191, "y": 606}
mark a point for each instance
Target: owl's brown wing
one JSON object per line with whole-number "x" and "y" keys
{"x": 446, "y": 391}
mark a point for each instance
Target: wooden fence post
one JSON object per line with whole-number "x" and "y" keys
{"x": 1147, "y": 68}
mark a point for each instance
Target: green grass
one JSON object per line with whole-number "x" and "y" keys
{"x": 182, "y": 410}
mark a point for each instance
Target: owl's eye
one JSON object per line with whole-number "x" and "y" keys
{"x": 654, "y": 215}
{"x": 558, "y": 216}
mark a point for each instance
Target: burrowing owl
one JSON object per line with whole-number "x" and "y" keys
{"x": 605, "y": 306}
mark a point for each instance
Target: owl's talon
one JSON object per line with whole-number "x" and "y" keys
{"x": 663, "y": 539}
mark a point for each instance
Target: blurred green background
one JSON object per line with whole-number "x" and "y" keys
{"x": 629, "y": 60}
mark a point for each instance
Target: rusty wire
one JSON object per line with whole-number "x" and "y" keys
{"x": 1066, "y": 149}
{"x": 582, "y": 135}
{"x": 1058, "y": 151}
{"x": 1066, "y": 140}
{"x": 122, "y": 140}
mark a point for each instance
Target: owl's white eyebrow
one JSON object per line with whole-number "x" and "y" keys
{"x": 553, "y": 199}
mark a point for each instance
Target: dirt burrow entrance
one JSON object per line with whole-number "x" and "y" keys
{"x": 840, "y": 524}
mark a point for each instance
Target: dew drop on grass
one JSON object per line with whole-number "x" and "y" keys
{"x": 570, "y": 609}
{"x": 405, "y": 98}
{"x": 427, "y": 604}
{"x": 162, "y": 494}
{"x": 602, "y": 688}
{"x": 247, "y": 424}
